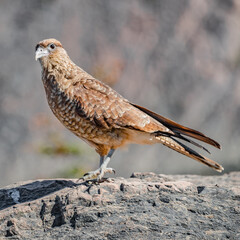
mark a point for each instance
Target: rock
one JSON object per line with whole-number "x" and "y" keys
{"x": 145, "y": 206}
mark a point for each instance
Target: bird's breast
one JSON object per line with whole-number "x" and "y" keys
{"x": 66, "y": 110}
{"x": 63, "y": 107}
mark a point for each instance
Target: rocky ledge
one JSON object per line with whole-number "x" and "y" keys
{"x": 145, "y": 206}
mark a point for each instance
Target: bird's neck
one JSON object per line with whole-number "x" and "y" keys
{"x": 61, "y": 71}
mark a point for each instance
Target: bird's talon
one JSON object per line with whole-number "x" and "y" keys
{"x": 79, "y": 179}
{"x": 99, "y": 173}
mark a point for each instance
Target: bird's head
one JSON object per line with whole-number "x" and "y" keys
{"x": 47, "y": 48}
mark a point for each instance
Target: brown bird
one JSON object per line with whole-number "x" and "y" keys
{"x": 103, "y": 118}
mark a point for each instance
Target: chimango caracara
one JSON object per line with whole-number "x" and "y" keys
{"x": 102, "y": 117}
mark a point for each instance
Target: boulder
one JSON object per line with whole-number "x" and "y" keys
{"x": 145, "y": 206}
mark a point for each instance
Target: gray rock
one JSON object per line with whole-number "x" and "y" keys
{"x": 145, "y": 206}
{"x": 179, "y": 58}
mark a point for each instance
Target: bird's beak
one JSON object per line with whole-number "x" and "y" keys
{"x": 41, "y": 52}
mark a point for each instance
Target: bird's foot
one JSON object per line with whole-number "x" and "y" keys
{"x": 98, "y": 174}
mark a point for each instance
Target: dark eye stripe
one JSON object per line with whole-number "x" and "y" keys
{"x": 37, "y": 46}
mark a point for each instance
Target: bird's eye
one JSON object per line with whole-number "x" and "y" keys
{"x": 52, "y": 46}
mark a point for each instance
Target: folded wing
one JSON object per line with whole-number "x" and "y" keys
{"x": 107, "y": 109}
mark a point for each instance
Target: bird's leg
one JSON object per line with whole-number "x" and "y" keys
{"x": 99, "y": 173}
{"x": 103, "y": 168}
{"x": 101, "y": 160}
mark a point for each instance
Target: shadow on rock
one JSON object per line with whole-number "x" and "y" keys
{"x": 31, "y": 191}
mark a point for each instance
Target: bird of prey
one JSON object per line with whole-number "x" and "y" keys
{"x": 103, "y": 118}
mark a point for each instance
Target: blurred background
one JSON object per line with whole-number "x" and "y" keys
{"x": 179, "y": 58}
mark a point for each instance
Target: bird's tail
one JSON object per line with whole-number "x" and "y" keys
{"x": 183, "y": 149}
{"x": 181, "y": 132}
{"x": 178, "y": 129}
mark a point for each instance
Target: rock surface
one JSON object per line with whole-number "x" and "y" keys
{"x": 145, "y": 206}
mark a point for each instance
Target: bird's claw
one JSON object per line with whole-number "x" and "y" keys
{"x": 98, "y": 174}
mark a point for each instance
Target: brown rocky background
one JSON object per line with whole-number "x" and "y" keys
{"x": 179, "y": 58}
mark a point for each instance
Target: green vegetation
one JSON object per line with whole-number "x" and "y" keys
{"x": 61, "y": 149}
{"x": 73, "y": 172}
{"x": 57, "y": 145}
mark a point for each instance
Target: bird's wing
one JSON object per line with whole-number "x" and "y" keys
{"x": 102, "y": 105}
{"x": 106, "y": 108}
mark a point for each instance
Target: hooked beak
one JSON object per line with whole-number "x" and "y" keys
{"x": 41, "y": 52}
